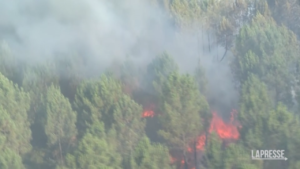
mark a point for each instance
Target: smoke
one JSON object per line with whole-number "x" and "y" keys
{"x": 107, "y": 30}
{"x": 100, "y": 29}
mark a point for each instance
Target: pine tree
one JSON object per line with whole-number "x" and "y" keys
{"x": 183, "y": 111}
{"x": 59, "y": 121}
{"x": 94, "y": 151}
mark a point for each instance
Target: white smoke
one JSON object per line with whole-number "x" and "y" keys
{"x": 107, "y": 30}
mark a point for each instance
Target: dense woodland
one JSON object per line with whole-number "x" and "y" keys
{"x": 157, "y": 117}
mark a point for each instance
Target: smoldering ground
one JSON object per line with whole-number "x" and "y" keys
{"x": 106, "y": 30}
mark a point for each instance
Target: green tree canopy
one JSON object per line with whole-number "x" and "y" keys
{"x": 128, "y": 124}
{"x": 14, "y": 125}
{"x": 151, "y": 156}
{"x": 184, "y": 111}
{"x": 254, "y": 111}
{"x": 10, "y": 159}
{"x": 94, "y": 151}
{"x": 271, "y": 53}
{"x": 60, "y": 120}
{"x": 159, "y": 70}
{"x": 36, "y": 80}
{"x": 234, "y": 155}
{"x": 94, "y": 100}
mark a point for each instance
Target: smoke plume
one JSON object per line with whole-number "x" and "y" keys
{"x": 106, "y": 30}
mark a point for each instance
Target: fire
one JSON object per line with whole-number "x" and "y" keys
{"x": 201, "y": 142}
{"x": 148, "y": 113}
{"x": 226, "y": 131}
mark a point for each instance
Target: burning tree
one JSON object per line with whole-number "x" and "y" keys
{"x": 183, "y": 109}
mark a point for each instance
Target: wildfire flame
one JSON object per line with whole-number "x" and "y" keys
{"x": 225, "y": 131}
{"x": 148, "y": 113}
{"x": 201, "y": 142}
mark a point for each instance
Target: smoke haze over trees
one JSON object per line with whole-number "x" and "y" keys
{"x": 149, "y": 84}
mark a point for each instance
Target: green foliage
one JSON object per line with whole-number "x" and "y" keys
{"x": 128, "y": 123}
{"x": 254, "y": 111}
{"x": 280, "y": 123}
{"x": 94, "y": 151}
{"x": 10, "y": 159}
{"x": 56, "y": 123}
{"x": 94, "y": 101}
{"x": 201, "y": 79}
{"x": 284, "y": 124}
{"x": 225, "y": 33}
{"x": 263, "y": 126}
{"x": 263, "y": 8}
{"x": 60, "y": 118}
{"x": 213, "y": 152}
{"x": 234, "y": 155}
{"x": 14, "y": 124}
{"x": 36, "y": 158}
{"x": 259, "y": 50}
{"x": 159, "y": 70}
{"x": 104, "y": 128}
{"x": 147, "y": 155}
{"x": 293, "y": 147}
{"x": 286, "y": 12}
{"x": 186, "y": 12}
{"x": 224, "y": 19}
{"x": 151, "y": 156}
{"x": 183, "y": 110}
{"x": 36, "y": 81}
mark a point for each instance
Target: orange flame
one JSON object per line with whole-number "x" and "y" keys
{"x": 224, "y": 131}
{"x": 201, "y": 142}
{"x": 148, "y": 113}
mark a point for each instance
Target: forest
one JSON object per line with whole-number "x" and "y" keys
{"x": 149, "y": 84}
